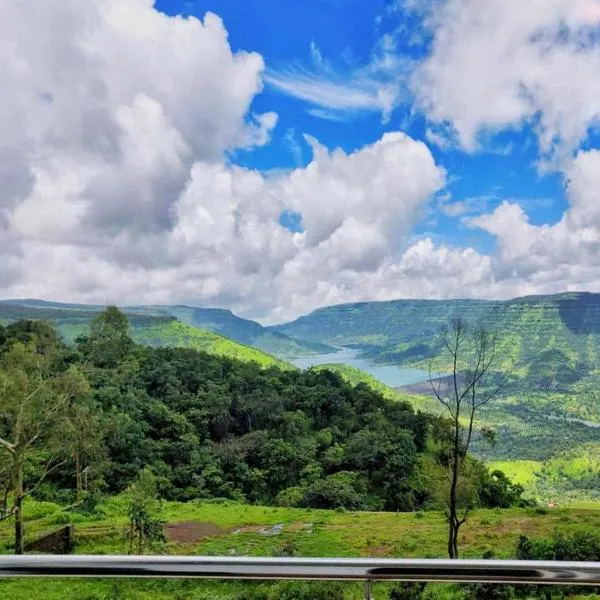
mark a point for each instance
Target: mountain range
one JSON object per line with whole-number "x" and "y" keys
{"x": 549, "y": 415}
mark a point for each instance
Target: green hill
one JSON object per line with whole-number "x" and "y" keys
{"x": 155, "y": 329}
{"x": 175, "y": 334}
{"x": 554, "y": 340}
{"x": 220, "y": 321}
{"x": 355, "y": 376}
{"x": 245, "y": 331}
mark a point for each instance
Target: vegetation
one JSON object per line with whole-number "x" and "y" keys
{"x": 249, "y": 530}
{"x": 156, "y": 327}
{"x": 143, "y": 511}
{"x": 249, "y": 333}
{"x": 472, "y": 353}
{"x": 175, "y": 334}
{"x": 208, "y": 426}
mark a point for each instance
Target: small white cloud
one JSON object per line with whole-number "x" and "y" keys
{"x": 294, "y": 147}
{"x": 328, "y": 115}
{"x": 378, "y": 86}
{"x": 439, "y": 139}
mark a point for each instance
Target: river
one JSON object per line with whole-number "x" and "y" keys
{"x": 388, "y": 374}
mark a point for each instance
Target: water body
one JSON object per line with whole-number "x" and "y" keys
{"x": 388, "y": 374}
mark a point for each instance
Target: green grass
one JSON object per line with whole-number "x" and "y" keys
{"x": 308, "y": 532}
{"x": 313, "y": 532}
{"x": 520, "y": 471}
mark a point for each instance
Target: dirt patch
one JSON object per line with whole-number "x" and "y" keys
{"x": 191, "y": 531}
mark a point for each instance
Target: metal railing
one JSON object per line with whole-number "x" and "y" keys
{"x": 367, "y": 570}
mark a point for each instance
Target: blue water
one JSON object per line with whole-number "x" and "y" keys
{"x": 388, "y": 374}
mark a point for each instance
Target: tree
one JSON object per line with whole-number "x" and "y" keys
{"x": 471, "y": 384}
{"x": 109, "y": 340}
{"x": 34, "y": 406}
{"x": 143, "y": 510}
{"x": 83, "y": 431}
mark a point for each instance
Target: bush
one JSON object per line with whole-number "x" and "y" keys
{"x": 143, "y": 510}
{"x": 335, "y": 491}
{"x": 407, "y": 590}
{"x": 290, "y": 497}
{"x": 294, "y": 591}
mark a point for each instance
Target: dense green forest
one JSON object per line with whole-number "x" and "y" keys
{"x": 209, "y": 426}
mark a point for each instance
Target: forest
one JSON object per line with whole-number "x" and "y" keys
{"x": 81, "y": 421}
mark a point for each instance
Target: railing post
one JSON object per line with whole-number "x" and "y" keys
{"x": 368, "y": 595}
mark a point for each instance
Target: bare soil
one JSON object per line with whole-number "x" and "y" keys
{"x": 191, "y": 531}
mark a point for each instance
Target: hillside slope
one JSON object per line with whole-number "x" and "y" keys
{"x": 554, "y": 340}
{"x": 155, "y": 329}
{"x": 245, "y": 331}
{"x": 175, "y": 334}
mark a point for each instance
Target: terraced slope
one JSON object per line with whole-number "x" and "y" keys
{"x": 554, "y": 340}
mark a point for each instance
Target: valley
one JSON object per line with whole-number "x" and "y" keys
{"x": 550, "y": 406}
{"x": 390, "y": 375}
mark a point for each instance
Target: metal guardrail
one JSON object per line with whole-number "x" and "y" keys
{"x": 367, "y": 570}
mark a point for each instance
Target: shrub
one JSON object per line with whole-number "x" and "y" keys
{"x": 337, "y": 490}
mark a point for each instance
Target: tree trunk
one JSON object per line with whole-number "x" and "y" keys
{"x": 455, "y": 540}
{"x": 78, "y": 485}
{"x": 451, "y": 539}
{"x": 453, "y": 523}
{"x": 19, "y": 533}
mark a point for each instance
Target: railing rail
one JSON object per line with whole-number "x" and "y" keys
{"x": 357, "y": 569}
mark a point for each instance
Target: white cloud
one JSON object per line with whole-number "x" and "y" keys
{"x": 115, "y": 126}
{"x": 556, "y": 257}
{"x": 379, "y": 86}
{"x": 226, "y": 245}
{"x": 502, "y": 63}
{"x": 116, "y": 122}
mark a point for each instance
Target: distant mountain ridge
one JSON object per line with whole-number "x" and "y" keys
{"x": 245, "y": 331}
{"x": 554, "y": 339}
{"x": 72, "y": 318}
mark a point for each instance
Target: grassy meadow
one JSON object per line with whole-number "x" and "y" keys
{"x": 230, "y": 529}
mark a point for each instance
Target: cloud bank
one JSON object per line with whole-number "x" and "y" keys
{"x": 116, "y": 123}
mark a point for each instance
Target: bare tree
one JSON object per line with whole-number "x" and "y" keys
{"x": 470, "y": 357}
{"x": 34, "y": 405}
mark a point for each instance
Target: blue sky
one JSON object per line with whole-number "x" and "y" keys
{"x": 505, "y": 167}
{"x": 272, "y": 157}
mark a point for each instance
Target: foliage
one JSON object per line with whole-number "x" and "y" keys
{"x": 179, "y": 335}
{"x": 37, "y": 392}
{"x": 207, "y": 426}
{"x": 143, "y": 511}
{"x": 407, "y": 591}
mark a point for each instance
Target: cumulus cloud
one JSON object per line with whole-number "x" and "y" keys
{"x": 115, "y": 127}
{"x": 502, "y": 63}
{"x": 552, "y": 257}
{"x": 116, "y": 124}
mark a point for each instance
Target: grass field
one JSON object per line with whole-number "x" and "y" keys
{"x": 226, "y": 528}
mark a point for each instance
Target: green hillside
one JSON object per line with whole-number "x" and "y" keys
{"x": 245, "y": 331}
{"x": 72, "y": 320}
{"x": 175, "y": 334}
{"x": 355, "y": 376}
{"x": 554, "y": 340}
{"x": 551, "y": 406}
